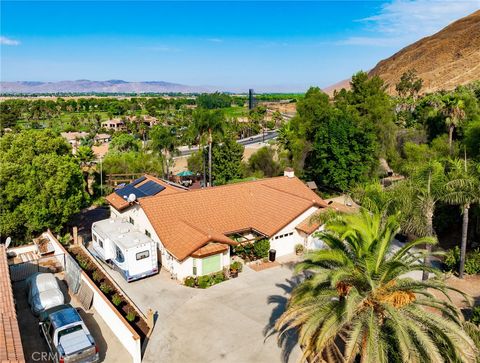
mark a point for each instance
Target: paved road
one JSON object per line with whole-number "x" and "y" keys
{"x": 227, "y": 322}
{"x": 269, "y": 135}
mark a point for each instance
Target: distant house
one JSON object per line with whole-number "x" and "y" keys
{"x": 196, "y": 229}
{"x": 102, "y": 138}
{"x": 74, "y": 138}
{"x": 115, "y": 124}
{"x": 147, "y": 120}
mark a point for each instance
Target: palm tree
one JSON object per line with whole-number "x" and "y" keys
{"x": 417, "y": 197}
{"x": 210, "y": 123}
{"x": 453, "y": 110}
{"x": 357, "y": 306}
{"x": 463, "y": 189}
{"x": 164, "y": 139}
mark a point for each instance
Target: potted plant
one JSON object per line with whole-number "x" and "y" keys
{"x": 299, "y": 249}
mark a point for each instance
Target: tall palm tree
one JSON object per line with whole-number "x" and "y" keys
{"x": 164, "y": 140}
{"x": 463, "y": 189}
{"x": 357, "y": 306}
{"x": 417, "y": 197}
{"x": 210, "y": 123}
{"x": 453, "y": 110}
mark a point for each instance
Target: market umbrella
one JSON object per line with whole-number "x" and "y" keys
{"x": 185, "y": 173}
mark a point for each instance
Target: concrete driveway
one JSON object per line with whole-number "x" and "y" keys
{"x": 227, "y": 322}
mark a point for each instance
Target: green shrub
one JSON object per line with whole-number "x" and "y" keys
{"x": 65, "y": 239}
{"x": 299, "y": 248}
{"x": 476, "y": 315}
{"x": 217, "y": 277}
{"x": 236, "y": 265}
{"x": 261, "y": 248}
{"x": 97, "y": 276}
{"x": 189, "y": 281}
{"x": 131, "y": 315}
{"x": 106, "y": 288}
{"x": 203, "y": 282}
{"x": 116, "y": 299}
{"x": 452, "y": 258}
{"x": 472, "y": 262}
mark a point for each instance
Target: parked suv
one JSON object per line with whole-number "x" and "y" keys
{"x": 67, "y": 336}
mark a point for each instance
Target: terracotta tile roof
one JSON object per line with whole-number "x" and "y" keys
{"x": 187, "y": 221}
{"x": 100, "y": 150}
{"x": 10, "y": 341}
{"x": 310, "y": 225}
{"x": 210, "y": 249}
{"x": 120, "y": 203}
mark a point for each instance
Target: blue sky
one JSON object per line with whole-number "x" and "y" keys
{"x": 285, "y": 46}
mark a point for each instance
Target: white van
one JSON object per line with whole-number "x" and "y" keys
{"x": 132, "y": 253}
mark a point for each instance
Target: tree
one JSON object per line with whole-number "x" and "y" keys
{"x": 164, "y": 140}
{"x": 409, "y": 85}
{"x": 210, "y": 123}
{"x": 343, "y": 151}
{"x": 453, "y": 110}
{"x": 262, "y": 161}
{"x": 42, "y": 184}
{"x": 9, "y": 114}
{"x": 227, "y": 161}
{"x": 196, "y": 162}
{"x": 84, "y": 154}
{"x": 463, "y": 189}
{"x": 358, "y": 306}
{"x": 211, "y": 101}
{"x": 417, "y": 197}
{"x": 124, "y": 142}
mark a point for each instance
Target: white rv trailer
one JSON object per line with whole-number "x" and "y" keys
{"x": 131, "y": 252}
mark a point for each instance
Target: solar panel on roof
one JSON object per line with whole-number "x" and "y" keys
{"x": 130, "y": 189}
{"x": 139, "y": 180}
{"x": 151, "y": 188}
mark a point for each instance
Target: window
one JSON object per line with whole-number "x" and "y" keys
{"x": 148, "y": 233}
{"x": 119, "y": 255}
{"x": 142, "y": 255}
{"x": 94, "y": 238}
{"x": 291, "y": 233}
{"x": 100, "y": 243}
{"x": 130, "y": 219}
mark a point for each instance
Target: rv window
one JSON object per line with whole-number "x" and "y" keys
{"x": 142, "y": 255}
{"x": 94, "y": 238}
{"x": 120, "y": 258}
{"x": 131, "y": 220}
{"x": 100, "y": 242}
{"x": 148, "y": 233}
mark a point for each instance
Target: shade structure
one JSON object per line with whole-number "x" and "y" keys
{"x": 185, "y": 173}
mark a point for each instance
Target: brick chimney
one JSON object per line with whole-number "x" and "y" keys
{"x": 288, "y": 172}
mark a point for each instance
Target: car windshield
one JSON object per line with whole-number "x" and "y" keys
{"x": 72, "y": 329}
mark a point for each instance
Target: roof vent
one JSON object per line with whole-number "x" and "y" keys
{"x": 288, "y": 172}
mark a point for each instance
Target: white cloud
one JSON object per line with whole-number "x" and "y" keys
{"x": 403, "y": 21}
{"x": 8, "y": 41}
{"x": 215, "y": 40}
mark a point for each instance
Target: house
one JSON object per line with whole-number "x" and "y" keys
{"x": 102, "y": 138}
{"x": 74, "y": 138}
{"x": 11, "y": 349}
{"x": 195, "y": 229}
{"x": 115, "y": 124}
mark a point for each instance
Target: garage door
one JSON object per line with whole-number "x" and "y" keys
{"x": 211, "y": 264}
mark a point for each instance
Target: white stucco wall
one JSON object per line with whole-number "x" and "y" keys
{"x": 286, "y": 245}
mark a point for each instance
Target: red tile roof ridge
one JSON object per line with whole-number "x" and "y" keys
{"x": 297, "y": 196}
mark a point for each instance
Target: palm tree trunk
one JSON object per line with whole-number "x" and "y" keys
{"x": 209, "y": 158}
{"x": 463, "y": 246}
{"x": 166, "y": 166}
{"x": 426, "y": 261}
{"x": 450, "y": 139}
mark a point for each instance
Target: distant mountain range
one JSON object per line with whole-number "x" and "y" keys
{"x": 444, "y": 60}
{"x": 111, "y": 86}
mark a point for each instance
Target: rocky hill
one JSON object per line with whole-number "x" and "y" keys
{"x": 444, "y": 60}
{"x": 86, "y": 86}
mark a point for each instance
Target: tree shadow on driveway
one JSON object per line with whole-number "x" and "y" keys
{"x": 289, "y": 338}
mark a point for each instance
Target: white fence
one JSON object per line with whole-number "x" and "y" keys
{"x": 116, "y": 322}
